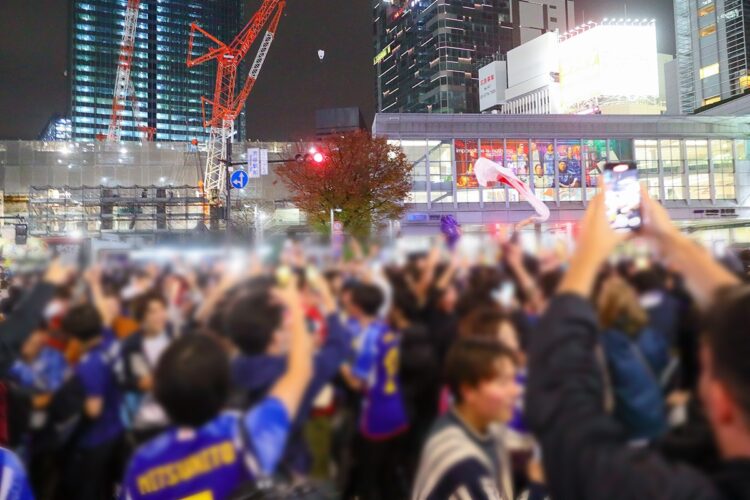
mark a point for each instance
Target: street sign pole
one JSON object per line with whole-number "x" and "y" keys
{"x": 228, "y": 209}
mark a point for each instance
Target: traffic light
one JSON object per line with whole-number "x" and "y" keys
{"x": 312, "y": 156}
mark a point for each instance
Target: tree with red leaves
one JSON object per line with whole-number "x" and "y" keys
{"x": 364, "y": 176}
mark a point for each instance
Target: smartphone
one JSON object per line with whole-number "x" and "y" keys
{"x": 283, "y": 276}
{"x": 622, "y": 196}
{"x": 505, "y": 294}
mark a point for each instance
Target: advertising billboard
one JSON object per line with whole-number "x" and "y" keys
{"x": 609, "y": 60}
{"x": 492, "y": 84}
{"x": 467, "y": 152}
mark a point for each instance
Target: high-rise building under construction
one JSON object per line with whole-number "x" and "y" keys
{"x": 168, "y": 92}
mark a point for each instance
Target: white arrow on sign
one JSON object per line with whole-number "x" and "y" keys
{"x": 239, "y": 180}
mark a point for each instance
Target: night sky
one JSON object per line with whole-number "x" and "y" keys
{"x": 293, "y": 83}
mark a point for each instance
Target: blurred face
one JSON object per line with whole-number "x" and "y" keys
{"x": 494, "y": 399}
{"x": 346, "y": 303}
{"x": 449, "y": 299}
{"x": 538, "y": 171}
{"x": 155, "y": 320}
{"x": 562, "y": 166}
{"x": 34, "y": 344}
{"x": 113, "y": 306}
{"x": 721, "y": 411}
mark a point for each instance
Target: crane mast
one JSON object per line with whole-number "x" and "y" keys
{"x": 227, "y": 102}
{"x": 124, "y": 89}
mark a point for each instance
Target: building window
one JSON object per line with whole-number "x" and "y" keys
{"x": 569, "y": 170}
{"x": 710, "y": 70}
{"x": 708, "y": 30}
{"x": 704, "y": 11}
{"x": 697, "y": 164}
{"x": 647, "y": 156}
{"x": 494, "y": 150}
{"x": 673, "y": 170}
{"x": 553, "y": 19}
{"x": 711, "y": 100}
{"x": 594, "y": 158}
{"x": 517, "y": 160}
{"x": 467, "y": 152}
{"x": 723, "y": 163}
{"x": 543, "y": 167}
{"x": 620, "y": 149}
{"x": 416, "y": 152}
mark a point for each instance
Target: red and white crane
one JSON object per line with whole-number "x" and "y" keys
{"x": 227, "y": 103}
{"x": 124, "y": 88}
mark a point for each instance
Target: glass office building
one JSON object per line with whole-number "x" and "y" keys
{"x": 712, "y": 50}
{"x": 697, "y": 166}
{"x": 427, "y": 52}
{"x": 169, "y": 93}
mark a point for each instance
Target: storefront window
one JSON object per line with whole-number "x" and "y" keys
{"x": 517, "y": 160}
{"x": 441, "y": 171}
{"x": 697, "y": 164}
{"x": 620, "y": 149}
{"x": 494, "y": 150}
{"x": 467, "y": 152}
{"x": 673, "y": 169}
{"x": 543, "y": 167}
{"x": 569, "y": 170}
{"x": 723, "y": 161}
{"x": 416, "y": 152}
{"x": 647, "y": 156}
{"x": 594, "y": 158}
{"x": 743, "y": 149}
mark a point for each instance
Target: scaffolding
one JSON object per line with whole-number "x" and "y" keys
{"x": 96, "y": 210}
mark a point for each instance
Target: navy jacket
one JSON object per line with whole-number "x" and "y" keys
{"x": 255, "y": 375}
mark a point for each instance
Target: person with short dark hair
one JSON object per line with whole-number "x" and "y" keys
{"x": 93, "y": 467}
{"x": 210, "y": 453}
{"x": 585, "y": 450}
{"x": 255, "y": 325}
{"x": 383, "y": 419}
{"x": 465, "y": 456}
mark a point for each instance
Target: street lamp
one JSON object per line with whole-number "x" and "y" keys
{"x": 333, "y": 221}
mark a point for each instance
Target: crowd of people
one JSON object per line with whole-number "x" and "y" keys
{"x": 571, "y": 376}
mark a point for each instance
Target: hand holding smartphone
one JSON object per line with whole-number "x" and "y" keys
{"x": 623, "y": 196}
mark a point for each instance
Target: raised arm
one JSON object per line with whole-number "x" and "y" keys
{"x": 703, "y": 274}
{"x": 585, "y": 450}
{"x": 21, "y": 322}
{"x": 291, "y": 387}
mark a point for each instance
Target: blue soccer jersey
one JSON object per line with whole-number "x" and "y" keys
{"x": 14, "y": 484}
{"x": 212, "y": 461}
{"x": 383, "y": 412}
{"x": 97, "y": 376}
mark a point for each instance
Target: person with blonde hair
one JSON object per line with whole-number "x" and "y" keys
{"x": 636, "y": 356}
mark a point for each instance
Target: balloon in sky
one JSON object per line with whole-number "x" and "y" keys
{"x": 489, "y": 171}
{"x": 321, "y": 54}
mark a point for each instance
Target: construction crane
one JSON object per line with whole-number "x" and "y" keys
{"x": 227, "y": 103}
{"x": 124, "y": 88}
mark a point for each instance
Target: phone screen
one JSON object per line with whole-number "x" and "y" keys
{"x": 505, "y": 294}
{"x": 623, "y": 196}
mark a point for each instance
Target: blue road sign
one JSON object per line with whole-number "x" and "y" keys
{"x": 239, "y": 179}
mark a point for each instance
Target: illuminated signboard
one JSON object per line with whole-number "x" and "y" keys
{"x": 609, "y": 60}
{"x": 382, "y": 55}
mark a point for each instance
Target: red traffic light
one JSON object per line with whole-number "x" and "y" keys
{"x": 313, "y": 155}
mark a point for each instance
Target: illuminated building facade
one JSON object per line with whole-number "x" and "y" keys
{"x": 712, "y": 51}
{"x": 427, "y": 52}
{"x": 169, "y": 93}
